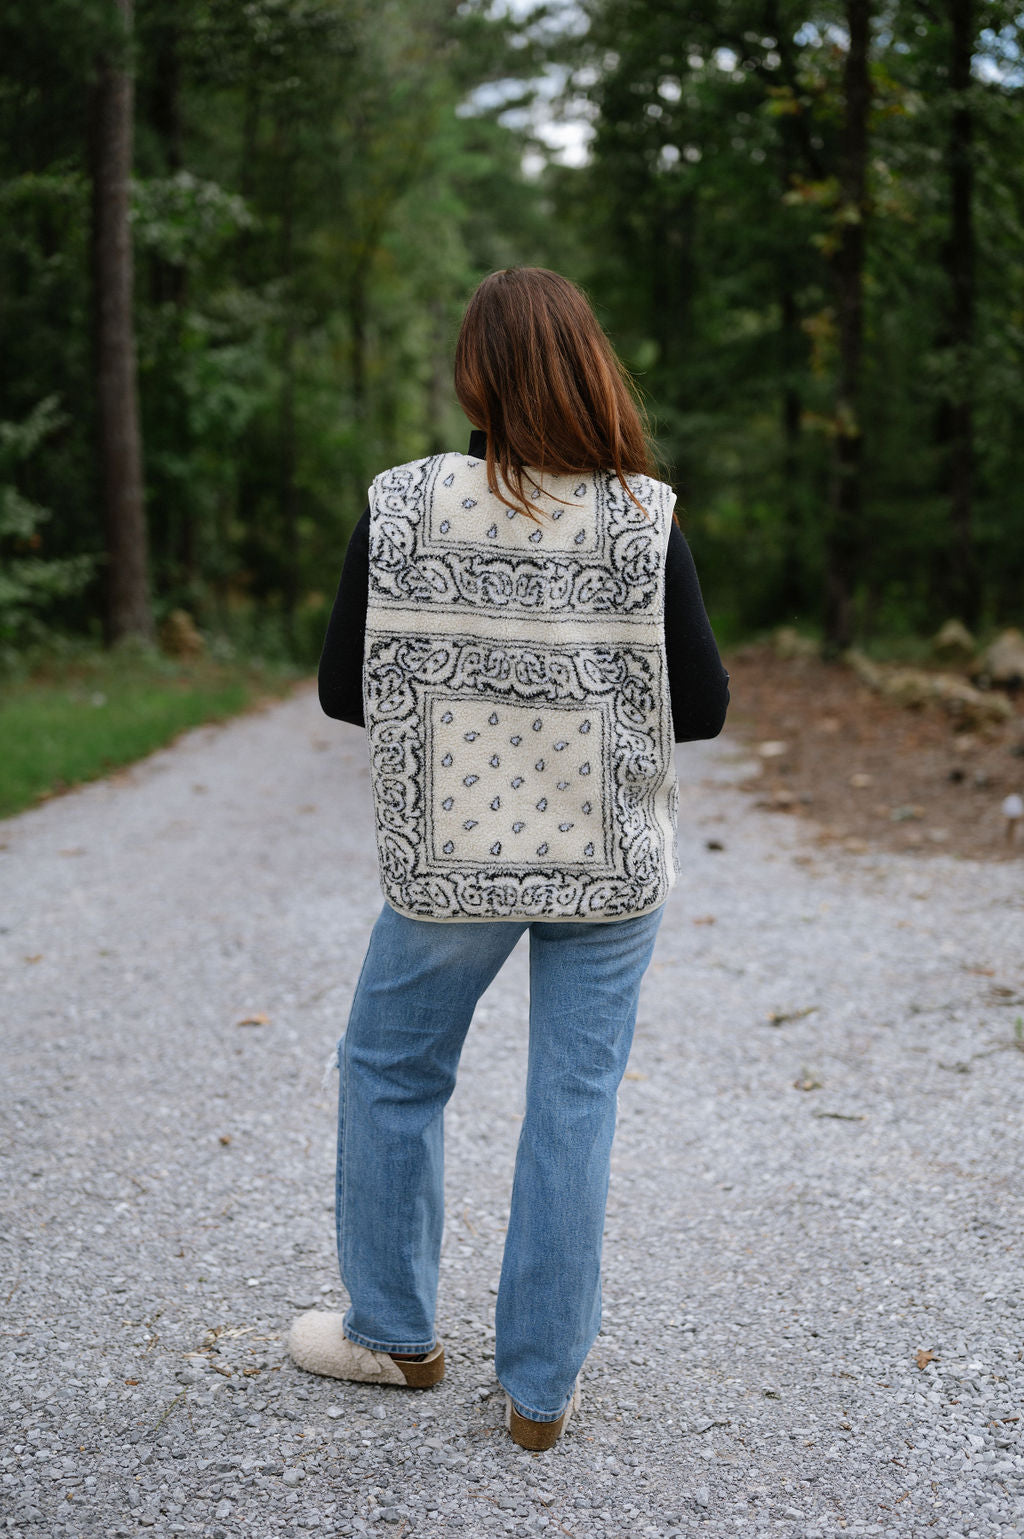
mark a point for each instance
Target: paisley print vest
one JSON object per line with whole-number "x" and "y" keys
{"x": 516, "y": 696}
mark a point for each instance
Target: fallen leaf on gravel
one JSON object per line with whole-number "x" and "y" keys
{"x": 261, "y": 1018}
{"x": 781, "y": 800}
{"x": 806, "y": 1081}
{"x": 38, "y": 957}
{"x": 841, "y": 1116}
{"x": 78, "y": 850}
{"x": 634, "y": 1074}
{"x": 713, "y": 844}
{"x": 705, "y": 919}
{"x": 924, "y": 1358}
{"x": 225, "y": 1138}
{"x": 780, "y": 1017}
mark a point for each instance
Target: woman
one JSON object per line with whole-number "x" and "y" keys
{"x": 521, "y": 632}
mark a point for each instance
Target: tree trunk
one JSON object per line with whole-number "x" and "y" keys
{"x": 957, "y": 426}
{"x": 790, "y": 360}
{"x": 358, "y": 313}
{"x": 790, "y": 593}
{"x": 672, "y": 287}
{"x": 128, "y": 608}
{"x": 357, "y": 325}
{"x": 169, "y": 278}
{"x": 796, "y": 148}
{"x": 287, "y": 492}
{"x": 843, "y": 539}
{"x": 438, "y": 382}
{"x": 174, "y": 544}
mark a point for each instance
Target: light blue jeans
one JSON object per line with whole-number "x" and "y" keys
{"x": 413, "y": 1004}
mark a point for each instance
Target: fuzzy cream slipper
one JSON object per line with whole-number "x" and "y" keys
{"x": 317, "y": 1343}
{"x": 539, "y": 1435}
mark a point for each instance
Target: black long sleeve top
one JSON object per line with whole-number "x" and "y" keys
{"x": 698, "y": 684}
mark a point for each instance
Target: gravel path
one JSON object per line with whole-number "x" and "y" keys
{"x": 813, "y": 1321}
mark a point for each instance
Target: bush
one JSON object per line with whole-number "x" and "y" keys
{"x": 30, "y": 582}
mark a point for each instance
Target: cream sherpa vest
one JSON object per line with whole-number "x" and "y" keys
{"x": 516, "y": 696}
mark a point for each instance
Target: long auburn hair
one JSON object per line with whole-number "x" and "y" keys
{"x": 535, "y": 371}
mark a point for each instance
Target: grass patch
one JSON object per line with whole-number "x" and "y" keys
{"x": 78, "y": 719}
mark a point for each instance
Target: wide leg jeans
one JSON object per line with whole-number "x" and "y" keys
{"x": 419, "y": 986}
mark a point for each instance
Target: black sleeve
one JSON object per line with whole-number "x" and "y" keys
{"x": 698, "y": 684}
{"x": 340, "y": 675}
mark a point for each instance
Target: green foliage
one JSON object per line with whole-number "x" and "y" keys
{"x": 182, "y": 219}
{"x": 310, "y": 210}
{"x": 319, "y": 184}
{"x": 31, "y": 582}
{"x": 713, "y": 209}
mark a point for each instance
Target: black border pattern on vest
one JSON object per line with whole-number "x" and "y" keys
{"x": 621, "y": 575}
{"x": 627, "y": 681}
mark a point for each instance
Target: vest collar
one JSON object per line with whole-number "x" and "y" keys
{"x": 478, "y": 444}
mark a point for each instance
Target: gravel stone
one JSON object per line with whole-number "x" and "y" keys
{"x": 812, "y": 1316}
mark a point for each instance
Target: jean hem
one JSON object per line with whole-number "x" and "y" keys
{"x": 389, "y": 1346}
{"x": 541, "y": 1416}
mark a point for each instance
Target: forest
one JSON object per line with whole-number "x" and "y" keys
{"x": 236, "y": 240}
